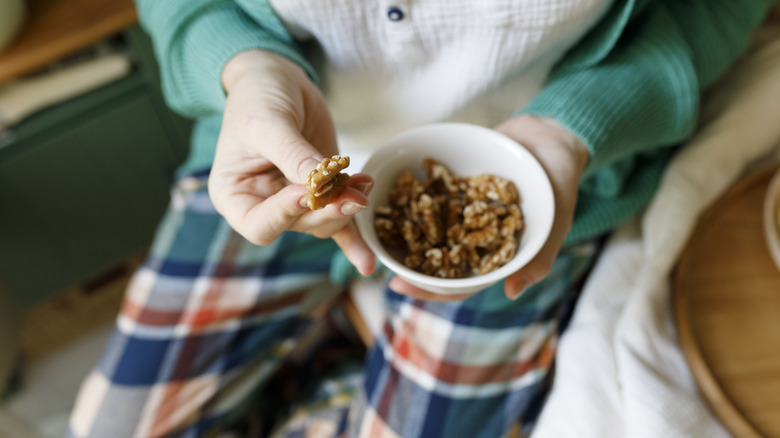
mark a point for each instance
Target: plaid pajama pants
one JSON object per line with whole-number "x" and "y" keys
{"x": 209, "y": 318}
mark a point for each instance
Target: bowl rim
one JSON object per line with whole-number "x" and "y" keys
{"x": 521, "y": 258}
{"x": 771, "y": 217}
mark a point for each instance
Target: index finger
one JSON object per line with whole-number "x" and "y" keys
{"x": 283, "y": 143}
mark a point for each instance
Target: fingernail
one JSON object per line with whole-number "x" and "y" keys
{"x": 304, "y": 201}
{"x": 306, "y": 166}
{"x": 369, "y": 270}
{"x": 519, "y": 291}
{"x": 349, "y": 208}
{"x": 365, "y": 187}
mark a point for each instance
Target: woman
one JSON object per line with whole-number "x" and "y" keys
{"x": 599, "y": 91}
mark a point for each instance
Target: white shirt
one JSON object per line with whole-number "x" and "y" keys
{"x": 393, "y": 65}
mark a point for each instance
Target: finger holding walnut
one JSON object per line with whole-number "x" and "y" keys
{"x": 325, "y": 185}
{"x": 337, "y": 203}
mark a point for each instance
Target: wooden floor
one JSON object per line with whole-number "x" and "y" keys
{"x": 56, "y": 323}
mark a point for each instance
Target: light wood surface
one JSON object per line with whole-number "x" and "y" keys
{"x": 727, "y": 306}
{"x": 57, "y": 28}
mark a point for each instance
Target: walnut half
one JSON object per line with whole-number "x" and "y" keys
{"x": 326, "y": 181}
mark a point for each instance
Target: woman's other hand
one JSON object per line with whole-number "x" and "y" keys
{"x": 563, "y": 156}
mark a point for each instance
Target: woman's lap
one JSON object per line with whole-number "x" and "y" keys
{"x": 209, "y": 317}
{"x": 470, "y": 368}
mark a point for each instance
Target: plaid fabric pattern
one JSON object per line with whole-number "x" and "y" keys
{"x": 468, "y": 369}
{"x": 210, "y": 317}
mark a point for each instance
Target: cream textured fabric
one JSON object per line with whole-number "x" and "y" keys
{"x": 439, "y": 57}
{"x": 620, "y": 371}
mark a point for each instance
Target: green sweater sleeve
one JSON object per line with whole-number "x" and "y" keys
{"x": 634, "y": 101}
{"x": 644, "y": 93}
{"x": 194, "y": 39}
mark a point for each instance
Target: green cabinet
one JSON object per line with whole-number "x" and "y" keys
{"x": 84, "y": 184}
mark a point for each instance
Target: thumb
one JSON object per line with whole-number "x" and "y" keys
{"x": 292, "y": 154}
{"x": 297, "y": 135}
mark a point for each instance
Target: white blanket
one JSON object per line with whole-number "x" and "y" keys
{"x": 620, "y": 369}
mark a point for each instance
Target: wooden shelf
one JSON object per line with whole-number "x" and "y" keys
{"x": 58, "y": 28}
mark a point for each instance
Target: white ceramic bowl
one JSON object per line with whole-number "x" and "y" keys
{"x": 467, "y": 150}
{"x": 772, "y": 218}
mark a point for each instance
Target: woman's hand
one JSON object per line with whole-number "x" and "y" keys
{"x": 276, "y": 129}
{"x": 563, "y": 156}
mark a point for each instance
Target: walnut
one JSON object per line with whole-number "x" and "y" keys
{"x": 434, "y": 260}
{"x": 492, "y": 260}
{"x": 513, "y": 223}
{"x": 388, "y": 224}
{"x": 492, "y": 188}
{"x": 445, "y": 262}
{"x": 326, "y": 181}
{"x": 414, "y": 259}
{"x": 406, "y": 189}
{"x": 413, "y": 236}
{"x": 388, "y": 233}
{"x": 438, "y": 173}
{"x": 482, "y": 223}
{"x": 477, "y": 215}
{"x": 455, "y": 234}
{"x": 427, "y": 214}
{"x": 483, "y": 237}
{"x": 473, "y": 258}
{"x": 453, "y": 222}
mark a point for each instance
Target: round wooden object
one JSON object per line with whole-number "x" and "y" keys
{"x": 727, "y": 307}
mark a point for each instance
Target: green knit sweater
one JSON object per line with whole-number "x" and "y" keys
{"x": 630, "y": 89}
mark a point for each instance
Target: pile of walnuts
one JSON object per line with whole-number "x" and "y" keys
{"x": 450, "y": 226}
